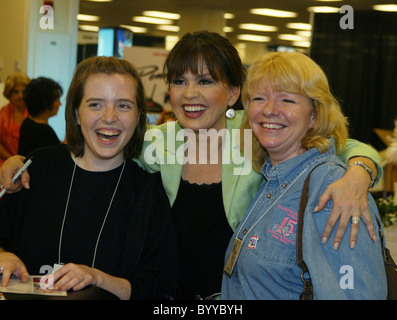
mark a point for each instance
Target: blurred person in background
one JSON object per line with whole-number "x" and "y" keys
{"x": 12, "y": 115}
{"x": 42, "y": 98}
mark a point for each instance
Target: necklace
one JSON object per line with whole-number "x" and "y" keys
{"x": 104, "y": 220}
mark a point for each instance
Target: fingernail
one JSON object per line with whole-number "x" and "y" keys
{"x": 315, "y": 209}
{"x": 336, "y": 245}
{"x": 27, "y": 186}
{"x": 324, "y": 239}
{"x": 353, "y": 244}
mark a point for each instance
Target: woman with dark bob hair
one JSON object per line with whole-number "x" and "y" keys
{"x": 42, "y": 97}
{"x": 90, "y": 209}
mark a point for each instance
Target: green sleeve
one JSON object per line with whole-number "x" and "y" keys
{"x": 149, "y": 167}
{"x": 356, "y": 148}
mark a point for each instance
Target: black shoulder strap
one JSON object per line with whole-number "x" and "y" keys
{"x": 307, "y": 293}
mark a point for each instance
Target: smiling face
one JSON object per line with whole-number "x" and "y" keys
{"x": 200, "y": 102}
{"x": 280, "y": 120}
{"x": 108, "y": 115}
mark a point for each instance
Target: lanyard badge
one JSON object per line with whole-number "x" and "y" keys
{"x": 233, "y": 255}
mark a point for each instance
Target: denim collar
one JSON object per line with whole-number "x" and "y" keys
{"x": 285, "y": 171}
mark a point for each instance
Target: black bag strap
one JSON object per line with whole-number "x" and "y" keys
{"x": 307, "y": 293}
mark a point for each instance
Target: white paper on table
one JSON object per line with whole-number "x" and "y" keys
{"x": 31, "y": 287}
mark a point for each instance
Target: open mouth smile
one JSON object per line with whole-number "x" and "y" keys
{"x": 107, "y": 135}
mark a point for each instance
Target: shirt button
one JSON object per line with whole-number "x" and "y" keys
{"x": 284, "y": 185}
{"x": 245, "y": 231}
{"x": 269, "y": 195}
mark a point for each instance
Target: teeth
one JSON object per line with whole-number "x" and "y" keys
{"x": 194, "y": 108}
{"x": 272, "y": 126}
{"x": 108, "y": 133}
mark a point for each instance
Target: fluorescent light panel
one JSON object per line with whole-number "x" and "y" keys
{"x": 89, "y": 28}
{"x": 168, "y": 28}
{"x": 274, "y": 13}
{"x": 385, "y": 7}
{"x": 134, "y": 28}
{"x": 291, "y": 37}
{"x": 252, "y": 37}
{"x": 87, "y": 17}
{"x": 299, "y": 26}
{"x": 162, "y": 15}
{"x": 151, "y": 20}
{"x": 323, "y": 9}
{"x": 257, "y": 27}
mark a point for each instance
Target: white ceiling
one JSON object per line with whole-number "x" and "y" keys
{"x": 120, "y": 12}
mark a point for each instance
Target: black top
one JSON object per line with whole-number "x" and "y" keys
{"x": 203, "y": 235}
{"x": 138, "y": 241}
{"x": 33, "y": 135}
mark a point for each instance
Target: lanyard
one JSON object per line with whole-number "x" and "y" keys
{"x": 103, "y": 223}
{"x": 237, "y": 243}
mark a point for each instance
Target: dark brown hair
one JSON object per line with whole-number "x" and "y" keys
{"x": 201, "y": 48}
{"x": 109, "y": 66}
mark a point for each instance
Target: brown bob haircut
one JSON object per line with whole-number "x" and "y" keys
{"x": 109, "y": 66}
{"x": 203, "y": 48}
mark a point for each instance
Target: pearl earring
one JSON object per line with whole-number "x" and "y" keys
{"x": 230, "y": 113}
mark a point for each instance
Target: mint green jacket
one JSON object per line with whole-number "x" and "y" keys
{"x": 164, "y": 150}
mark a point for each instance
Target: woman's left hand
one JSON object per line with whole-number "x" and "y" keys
{"x": 350, "y": 199}
{"x": 74, "y": 276}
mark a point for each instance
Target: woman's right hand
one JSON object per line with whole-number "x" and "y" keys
{"x": 7, "y": 171}
{"x": 10, "y": 265}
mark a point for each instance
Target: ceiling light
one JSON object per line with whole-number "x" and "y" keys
{"x": 305, "y": 44}
{"x": 290, "y": 37}
{"x": 228, "y": 16}
{"x": 306, "y": 34}
{"x": 134, "y": 28}
{"x": 257, "y": 27}
{"x": 162, "y": 15}
{"x": 299, "y": 26}
{"x": 151, "y": 20}
{"x": 87, "y": 17}
{"x": 274, "y": 13}
{"x": 323, "y": 9}
{"x": 252, "y": 37}
{"x": 227, "y": 29}
{"x": 89, "y": 28}
{"x": 385, "y": 7}
{"x": 168, "y": 28}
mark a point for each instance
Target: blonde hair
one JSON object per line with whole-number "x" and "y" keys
{"x": 13, "y": 80}
{"x": 294, "y": 72}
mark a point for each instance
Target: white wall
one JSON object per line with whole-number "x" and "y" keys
{"x": 52, "y": 53}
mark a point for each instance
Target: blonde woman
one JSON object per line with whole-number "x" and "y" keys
{"x": 299, "y": 124}
{"x": 12, "y": 115}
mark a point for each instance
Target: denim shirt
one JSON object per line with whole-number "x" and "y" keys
{"x": 266, "y": 267}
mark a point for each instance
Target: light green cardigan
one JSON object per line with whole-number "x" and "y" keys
{"x": 238, "y": 189}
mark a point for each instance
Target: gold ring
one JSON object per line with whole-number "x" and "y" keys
{"x": 355, "y": 220}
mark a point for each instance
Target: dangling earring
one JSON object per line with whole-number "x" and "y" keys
{"x": 230, "y": 113}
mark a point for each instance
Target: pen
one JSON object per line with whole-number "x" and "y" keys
{"x": 16, "y": 177}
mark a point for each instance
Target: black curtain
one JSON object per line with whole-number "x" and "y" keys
{"x": 361, "y": 65}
